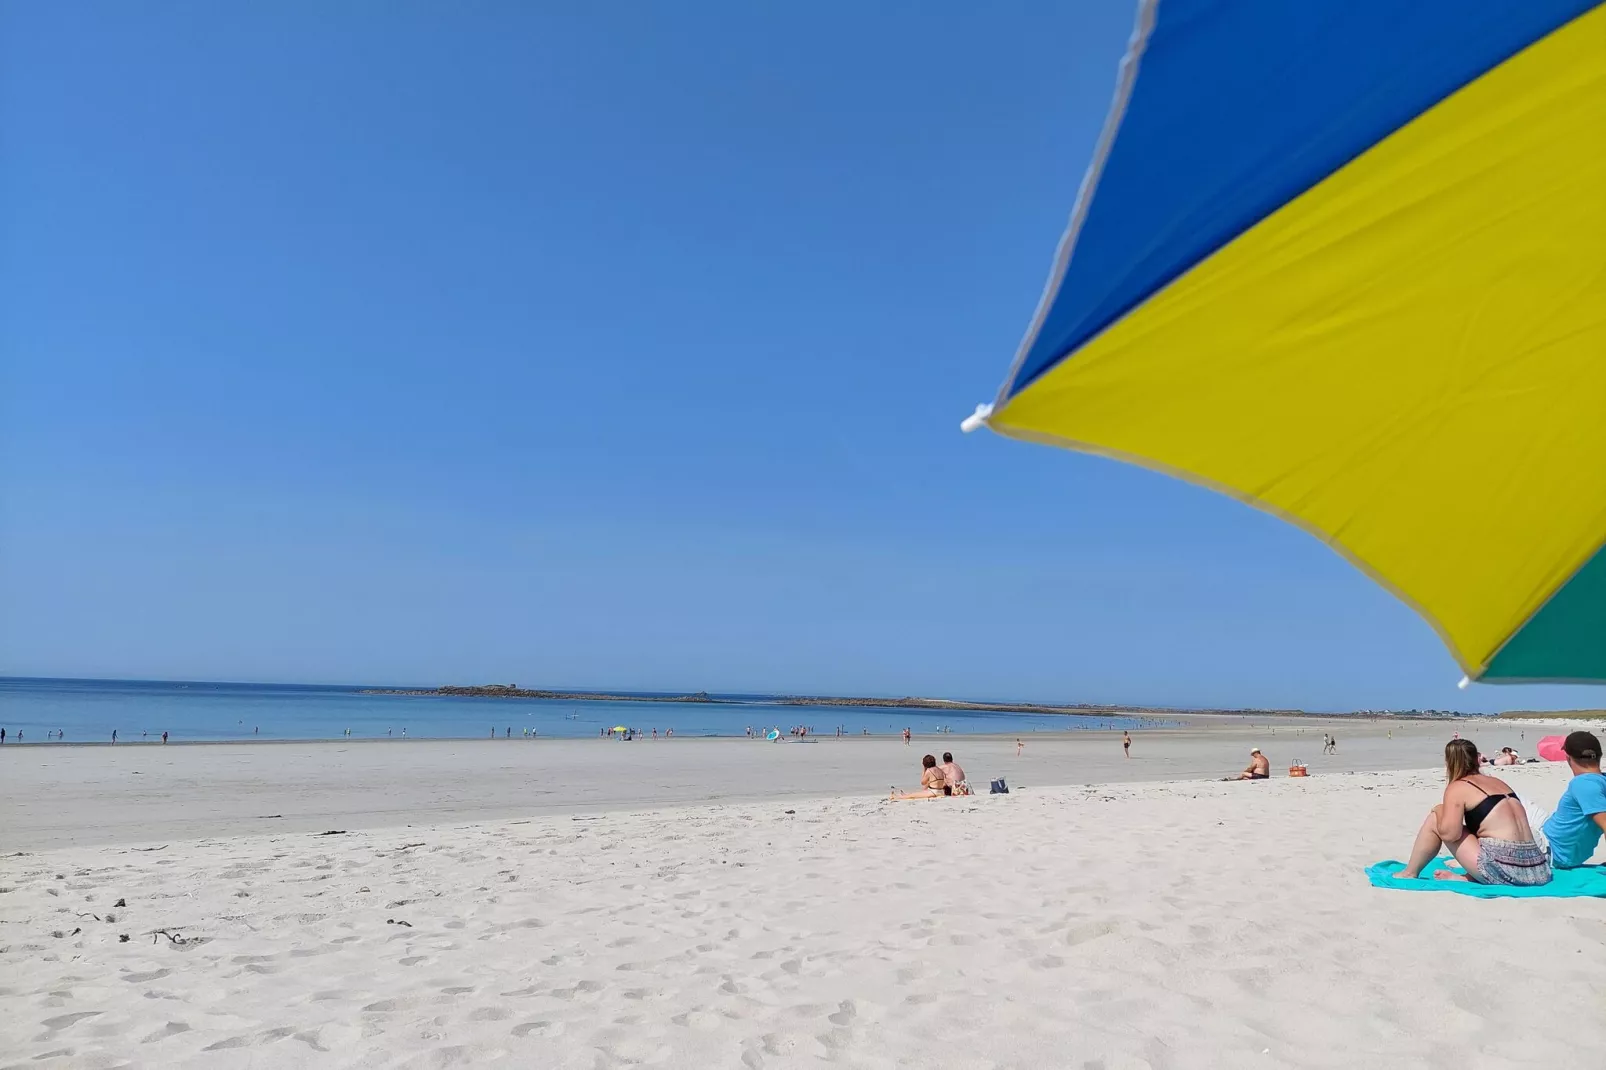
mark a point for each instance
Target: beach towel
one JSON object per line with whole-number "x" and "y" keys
{"x": 1565, "y": 884}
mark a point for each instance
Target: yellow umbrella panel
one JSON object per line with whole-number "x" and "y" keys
{"x": 1406, "y": 357}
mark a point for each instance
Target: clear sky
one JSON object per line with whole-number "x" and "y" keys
{"x": 611, "y": 345}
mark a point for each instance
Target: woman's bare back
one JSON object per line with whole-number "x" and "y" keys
{"x": 1507, "y": 820}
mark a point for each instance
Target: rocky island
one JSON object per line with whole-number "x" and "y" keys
{"x": 907, "y": 703}
{"x": 514, "y": 691}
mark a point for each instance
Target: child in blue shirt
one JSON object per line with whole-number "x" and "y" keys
{"x": 1575, "y": 828}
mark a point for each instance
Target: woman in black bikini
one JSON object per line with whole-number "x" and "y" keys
{"x": 1482, "y": 823}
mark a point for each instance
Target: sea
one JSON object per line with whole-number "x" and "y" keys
{"x": 89, "y": 711}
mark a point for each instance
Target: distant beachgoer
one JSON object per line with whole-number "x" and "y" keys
{"x": 1507, "y": 756}
{"x": 493, "y": 731}
{"x": 1483, "y": 824}
{"x": 146, "y": 734}
{"x": 404, "y": 733}
{"x": 655, "y": 733}
{"x": 388, "y": 731}
{"x": 1019, "y": 746}
{"x": 114, "y": 735}
{"x": 1126, "y": 743}
{"x": 932, "y": 784}
{"x": 256, "y": 730}
{"x": 509, "y": 732}
{"x": 164, "y": 736}
{"x": 669, "y": 733}
{"x": 906, "y": 737}
{"x": 953, "y": 775}
{"x": 2, "y": 735}
{"x": 1259, "y": 767}
{"x": 1574, "y": 830}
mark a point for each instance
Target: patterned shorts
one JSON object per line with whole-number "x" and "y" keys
{"x": 1506, "y": 862}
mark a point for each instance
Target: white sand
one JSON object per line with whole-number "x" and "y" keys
{"x": 1183, "y": 924}
{"x": 59, "y": 796}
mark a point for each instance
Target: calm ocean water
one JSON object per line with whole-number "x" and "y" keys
{"x": 88, "y": 711}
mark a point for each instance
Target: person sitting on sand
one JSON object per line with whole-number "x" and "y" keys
{"x": 1259, "y": 766}
{"x": 932, "y": 784}
{"x": 1483, "y": 825}
{"x": 1575, "y": 828}
{"x": 953, "y": 776}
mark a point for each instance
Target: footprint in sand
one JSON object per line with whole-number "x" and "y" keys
{"x": 793, "y": 1044}
{"x": 171, "y": 1029}
{"x": 539, "y": 1029}
{"x": 698, "y": 1019}
{"x": 231, "y": 1042}
{"x": 1083, "y": 933}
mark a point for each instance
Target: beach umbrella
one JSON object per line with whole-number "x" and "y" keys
{"x": 1550, "y": 749}
{"x": 619, "y": 728}
{"x": 1345, "y": 260}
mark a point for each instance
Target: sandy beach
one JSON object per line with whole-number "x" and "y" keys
{"x": 608, "y": 904}
{"x": 59, "y": 796}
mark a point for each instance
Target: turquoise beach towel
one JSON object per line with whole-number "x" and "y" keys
{"x": 1565, "y": 884}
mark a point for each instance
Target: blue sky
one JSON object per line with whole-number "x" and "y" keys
{"x": 597, "y": 345}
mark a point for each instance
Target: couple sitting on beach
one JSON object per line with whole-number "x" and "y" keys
{"x": 937, "y": 781}
{"x": 1488, "y": 829}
